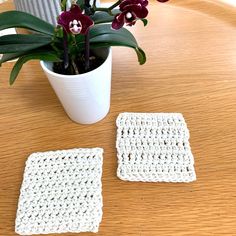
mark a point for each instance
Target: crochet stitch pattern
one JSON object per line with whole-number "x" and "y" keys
{"x": 154, "y": 147}
{"x": 61, "y": 192}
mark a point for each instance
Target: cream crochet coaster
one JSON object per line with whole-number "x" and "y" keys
{"x": 154, "y": 147}
{"x": 61, "y": 192}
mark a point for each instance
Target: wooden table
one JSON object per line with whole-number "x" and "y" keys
{"x": 191, "y": 68}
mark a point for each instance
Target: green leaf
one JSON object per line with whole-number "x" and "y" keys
{"x": 145, "y": 21}
{"x": 97, "y": 30}
{"x": 20, "y": 42}
{"x": 17, "y": 19}
{"x": 35, "y": 56}
{"x": 105, "y": 36}
{"x": 114, "y": 40}
{"x": 108, "y": 40}
{"x": 104, "y": 17}
{"x": 11, "y": 56}
{"x": 141, "y": 55}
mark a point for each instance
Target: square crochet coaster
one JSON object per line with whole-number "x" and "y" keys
{"x": 154, "y": 147}
{"x": 61, "y": 192}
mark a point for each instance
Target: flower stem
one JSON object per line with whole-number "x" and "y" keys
{"x": 109, "y": 9}
{"x": 75, "y": 67}
{"x": 94, "y": 3}
{"x": 87, "y": 43}
{"x": 66, "y": 55}
{"x": 115, "y": 5}
{"x": 63, "y": 5}
{"x": 87, "y": 49}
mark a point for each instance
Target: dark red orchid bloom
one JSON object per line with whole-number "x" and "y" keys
{"x": 131, "y": 11}
{"x": 73, "y": 21}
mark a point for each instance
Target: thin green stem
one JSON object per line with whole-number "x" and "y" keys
{"x": 56, "y": 49}
{"x": 63, "y": 5}
{"x": 87, "y": 42}
{"x": 104, "y": 9}
{"x": 75, "y": 67}
{"x": 94, "y": 3}
{"x": 87, "y": 51}
{"x": 115, "y": 5}
{"x": 66, "y": 54}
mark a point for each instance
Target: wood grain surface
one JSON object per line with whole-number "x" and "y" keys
{"x": 191, "y": 68}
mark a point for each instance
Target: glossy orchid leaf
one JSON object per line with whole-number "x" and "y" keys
{"x": 104, "y": 17}
{"x": 108, "y": 40}
{"x": 49, "y": 56}
{"x": 17, "y": 19}
{"x": 106, "y": 29}
{"x": 21, "y": 42}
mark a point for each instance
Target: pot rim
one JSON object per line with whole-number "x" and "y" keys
{"x": 45, "y": 68}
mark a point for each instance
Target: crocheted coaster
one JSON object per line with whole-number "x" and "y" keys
{"x": 154, "y": 147}
{"x": 61, "y": 192}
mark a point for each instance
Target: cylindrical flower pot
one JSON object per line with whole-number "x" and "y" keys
{"x": 85, "y": 97}
{"x": 47, "y": 10}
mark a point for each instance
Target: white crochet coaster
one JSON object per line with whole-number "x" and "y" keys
{"x": 154, "y": 147}
{"x": 61, "y": 192}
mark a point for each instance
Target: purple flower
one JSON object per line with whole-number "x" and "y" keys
{"x": 73, "y": 21}
{"x": 131, "y": 11}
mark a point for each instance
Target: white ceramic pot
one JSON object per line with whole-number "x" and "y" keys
{"x": 47, "y": 10}
{"x": 85, "y": 97}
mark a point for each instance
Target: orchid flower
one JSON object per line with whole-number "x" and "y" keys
{"x": 131, "y": 11}
{"x": 74, "y": 21}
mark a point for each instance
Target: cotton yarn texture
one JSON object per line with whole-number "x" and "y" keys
{"x": 61, "y": 192}
{"x": 154, "y": 147}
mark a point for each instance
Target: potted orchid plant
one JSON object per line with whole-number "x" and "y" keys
{"x": 75, "y": 55}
